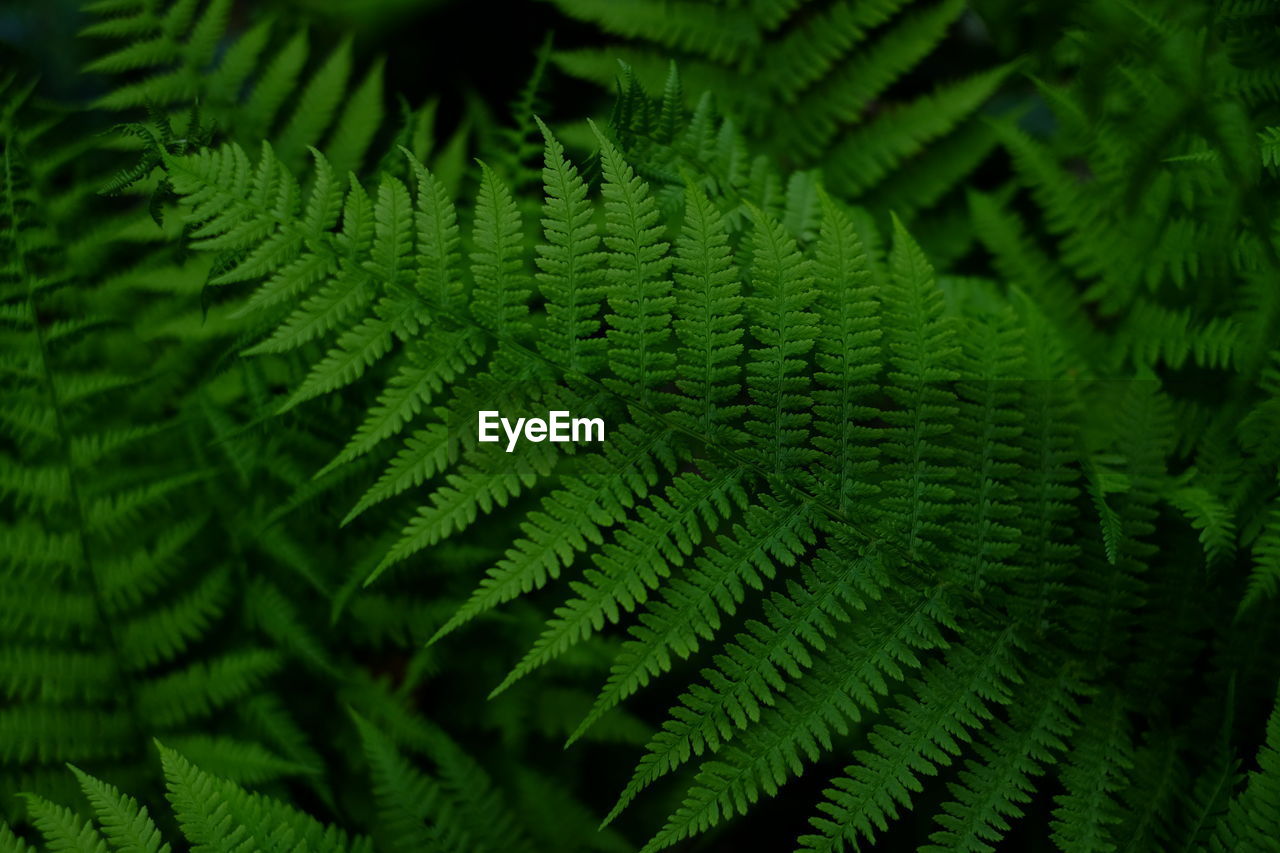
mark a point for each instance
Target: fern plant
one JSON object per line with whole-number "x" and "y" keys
{"x": 884, "y": 545}
{"x": 786, "y": 399}
{"x": 689, "y": 505}
{"x": 173, "y": 54}
{"x": 415, "y": 812}
{"x": 1171, "y": 240}
{"x": 843, "y": 76}
{"x": 214, "y": 815}
{"x": 110, "y": 621}
{"x": 71, "y": 690}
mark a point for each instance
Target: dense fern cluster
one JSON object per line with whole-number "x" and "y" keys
{"x": 937, "y": 505}
{"x": 827, "y": 87}
{"x": 106, "y": 617}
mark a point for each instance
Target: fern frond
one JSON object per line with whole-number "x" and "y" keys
{"x": 217, "y": 815}
{"x": 126, "y": 825}
{"x": 843, "y": 96}
{"x": 405, "y": 798}
{"x": 497, "y": 261}
{"x": 707, "y": 320}
{"x": 824, "y": 64}
{"x": 243, "y": 762}
{"x": 928, "y": 730}
{"x": 1253, "y": 817}
{"x": 995, "y": 787}
{"x": 120, "y": 634}
{"x": 568, "y": 259}
{"x": 989, "y": 424}
{"x": 463, "y": 802}
{"x": 64, "y": 829}
{"x": 691, "y": 608}
{"x": 847, "y": 358}
{"x": 178, "y": 52}
{"x": 1100, "y": 755}
{"x": 721, "y": 33}
{"x": 867, "y": 156}
{"x": 921, "y": 354}
{"x": 573, "y": 517}
{"x": 760, "y": 663}
{"x": 642, "y": 555}
{"x": 639, "y": 291}
{"x": 785, "y": 328}
{"x": 1264, "y": 581}
{"x": 847, "y": 682}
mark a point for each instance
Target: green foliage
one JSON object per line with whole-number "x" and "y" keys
{"x": 941, "y": 476}
{"x": 173, "y": 54}
{"x": 841, "y": 72}
{"x": 213, "y": 815}
{"x": 111, "y": 620}
{"x": 727, "y": 541}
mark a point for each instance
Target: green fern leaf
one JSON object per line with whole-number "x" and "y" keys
{"x": 498, "y": 261}
{"x": 567, "y": 262}
{"x": 638, "y": 292}
{"x": 126, "y": 825}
